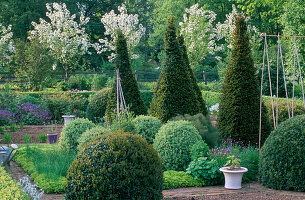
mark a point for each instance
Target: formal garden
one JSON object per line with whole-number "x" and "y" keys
{"x": 109, "y": 136}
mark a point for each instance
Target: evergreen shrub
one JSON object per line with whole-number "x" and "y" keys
{"x": 115, "y": 166}
{"x": 97, "y": 105}
{"x": 91, "y": 133}
{"x": 281, "y": 160}
{"x": 128, "y": 82}
{"x": 173, "y": 143}
{"x": 174, "y": 93}
{"x": 199, "y": 149}
{"x": 99, "y": 81}
{"x": 239, "y": 107}
{"x": 147, "y": 126}
{"x": 202, "y": 123}
{"x": 71, "y": 132}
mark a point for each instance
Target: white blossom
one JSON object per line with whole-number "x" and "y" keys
{"x": 63, "y": 35}
{"x": 6, "y": 42}
{"x": 128, "y": 24}
{"x": 198, "y": 32}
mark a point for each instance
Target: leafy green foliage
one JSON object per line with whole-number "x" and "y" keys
{"x": 179, "y": 179}
{"x": 99, "y": 81}
{"x": 207, "y": 132}
{"x": 193, "y": 80}
{"x": 43, "y": 138}
{"x": 27, "y": 139}
{"x": 46, "y": 164}
{"x": 281, "y": 161}
{"x": 9, "y": 189}
{"x": 72, "y": 131}
{"x": 173, "y": 143}
{"x": 205, "y": 170}
{"x": 128, "y": 82}
{"x": 239, "y": 112}
{"x": 80, "y": 82}
{"x": 91, "y": 133}
{"x": 115, "y": 166}
{"x": 97, "y": 105}
{"x": 7, "y": 138}
{"x": 199, "y": 149}
{"x": 147, "y": 126}
{"x": 174, "y": 93}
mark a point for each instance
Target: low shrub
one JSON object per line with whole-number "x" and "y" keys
{"x": 9, "y": 189}
{"x": 32, "y": 114}
{"x": 79, "y": 82}
{"x": 179, "y": 179}
{"x": 147, "y": 126}
{"x": 115, "y": 166}
{"x": 97, "y": 105}
{"x": 205, "y": 170}
{"x": 6, "y": 117}
{"x": 202, "y": 123}
{"x": 173, "y": 143}
{"x": 281, "y": 160}
{"x": 283, "y": 109}
{"x": 199, "y": 149}
{"x": 72, "y": 131}
{"x": 91, "y": 133}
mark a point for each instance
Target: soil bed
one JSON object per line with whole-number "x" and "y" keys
{"x": 33, "y": 130}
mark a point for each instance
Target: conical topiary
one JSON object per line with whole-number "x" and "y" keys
{"x": 240, "y": 100}
{"x": 129, "y": 84}
{"x": 198, "y": 94}
{"x": 174, "y": 94}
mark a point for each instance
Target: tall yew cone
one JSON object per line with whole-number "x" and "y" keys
{"x": 174, "y": 94}
{"x": 129, "y": 84}
{"x": 198, "y": 94}
{"x": 240, "y": 100}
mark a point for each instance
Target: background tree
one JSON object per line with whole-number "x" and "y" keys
{"x": 174, "y": 94}
{"x": 129, "y": 84}
{"x": 31, "y": 64}
{"x": 193, "y": 79}
{"x": 6, "y": 44}
{"x": 197, "y": 30}
{"x": 240, "y": 99}
{"x": 62, "y": 35}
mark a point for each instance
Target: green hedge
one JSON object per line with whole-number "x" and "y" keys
{"x": 9, "y": 189}
{"x": 179, "y": 179}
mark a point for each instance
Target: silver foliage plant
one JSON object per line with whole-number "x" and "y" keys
{"x": 29, "y": 188}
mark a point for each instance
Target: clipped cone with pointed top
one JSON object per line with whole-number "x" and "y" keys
{"x": 198, "y": 94}
{"x": 129, "y": 84}
{"x": 239, "y": 108}
{"x": 174, "y": 94}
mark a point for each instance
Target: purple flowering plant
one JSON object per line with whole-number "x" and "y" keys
{"x": 32, "y": 114}
{"x": 6, "y": 117}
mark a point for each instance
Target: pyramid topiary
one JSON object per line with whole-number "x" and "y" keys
{"x": 129, "y": 84}
{"x": 198, "y": 94}
{"x": 239, "y": 108}
{"x": 174, "y": 93}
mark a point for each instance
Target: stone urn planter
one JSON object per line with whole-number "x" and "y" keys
{"x": 68, "y": 118}
{"x": 52, "y": 138}
{"x": 233, "y": 177}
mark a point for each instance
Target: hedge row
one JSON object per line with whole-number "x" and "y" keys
{"x": 9, "y": 189}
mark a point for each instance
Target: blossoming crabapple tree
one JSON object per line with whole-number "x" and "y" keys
{"x": 66, "y": 39}
{"x": 128, "y": 24}
{"x": 6, "y": 43}
{"x": 197, "y": 30}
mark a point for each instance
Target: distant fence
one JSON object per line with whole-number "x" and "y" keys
{"x": 139, "y": 75}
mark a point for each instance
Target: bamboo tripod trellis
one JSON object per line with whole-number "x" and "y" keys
{"x": 279, "y": 55}
{"x": 121, "y": 104}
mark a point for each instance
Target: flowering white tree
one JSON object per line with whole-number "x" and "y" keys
{"x": 63, "y": 36}
{"x": 6, "y": 43}
{"x": 197, "y": 30}
{"x": 226, "y": 29}
{"x": 128, "y": 24}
